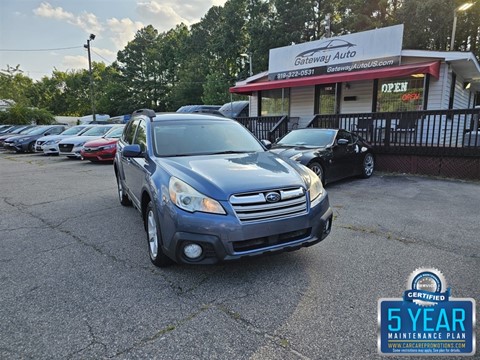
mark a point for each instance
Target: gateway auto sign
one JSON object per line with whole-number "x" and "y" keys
{"x": 360, "y": 51}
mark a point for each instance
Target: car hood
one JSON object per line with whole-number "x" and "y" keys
{"x": 54, "y": 137}
{"x": 25, "y": 136}
{"x": 78, "y": 139}
{"x": 8, "y": 136}
{"x": 289, "y": 151}
{"x": 220, "y": 176}
{"x": 101, "y": 142}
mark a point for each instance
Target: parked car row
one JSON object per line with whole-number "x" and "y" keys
{"x": 25, "y": 142}
{"x": 100, "y": 140}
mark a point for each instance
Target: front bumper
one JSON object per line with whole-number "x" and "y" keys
{"x": 74, "y": 153}
{"x": 13, "y": 146}
{"x": 225, "y": 238}
{"x": 99, "y": 155}
{"x": 50, "y": 149}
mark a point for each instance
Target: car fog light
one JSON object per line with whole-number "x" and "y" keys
{"x": 328, "y": 225}
{"x": 192, "y": 251}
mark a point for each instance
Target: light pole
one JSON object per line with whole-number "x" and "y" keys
{"x": 87, "y": 46}
{"x": 249, "y": 55}
{"x": 463, "y": 7}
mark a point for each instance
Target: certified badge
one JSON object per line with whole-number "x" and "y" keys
{"x": 427, "y": 287}
{"x": 427, "y": 320}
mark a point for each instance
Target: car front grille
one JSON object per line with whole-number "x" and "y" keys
{"x": 266, "y": 241}
{"x": 272, "y": 204}
{"x": 91, "y": 149}
{"x": 65, "y": 147}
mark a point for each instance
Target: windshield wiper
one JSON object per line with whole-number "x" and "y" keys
{"x": 227, "y": 152}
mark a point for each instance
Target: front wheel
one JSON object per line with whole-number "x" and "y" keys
{"x": 122, "y": 196}
{"x": 368, "y": 166}
{"x": 31, "y": 147}
{"x": 317, "y": 169}
{"x": 157, "y": 256}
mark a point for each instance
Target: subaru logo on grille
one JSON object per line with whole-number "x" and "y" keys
{"x": 272, "y": 197}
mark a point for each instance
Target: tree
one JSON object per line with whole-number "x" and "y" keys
{"x": 20, "y": 114}
{"x": 215, "y": 89}
{"x": 428, "y": 23}
{"x": 14, "y": 85}
{"x": 139, "y": 66}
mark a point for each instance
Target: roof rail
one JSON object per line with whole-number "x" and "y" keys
{"x": 147, "y": 112}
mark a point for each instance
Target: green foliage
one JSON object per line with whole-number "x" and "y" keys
{"x": 15, "y": 86}
{"x": 20, "y": 114}
{"x": 215, "y": 89}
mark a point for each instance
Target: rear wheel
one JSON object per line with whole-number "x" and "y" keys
{"x": 368, "y": 166}
{"x": 317, "y": 169}
{"x": 157, "y": 256}
{"x": 122, "y": 196}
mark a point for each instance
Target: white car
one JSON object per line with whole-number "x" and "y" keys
{"x": 72, "y": 146}
{"x": 49, "y": 144}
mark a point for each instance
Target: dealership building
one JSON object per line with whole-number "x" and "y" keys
{"x": 366, "y": 72}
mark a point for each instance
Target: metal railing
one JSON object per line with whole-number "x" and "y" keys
{"x": 266, "y": 127}
{"x": 431, "y": 132}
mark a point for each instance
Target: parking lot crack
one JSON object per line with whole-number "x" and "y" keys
{"x": 400, "y": 237}
{"x": 164, "y": 331}
{"x": 48, "y": 225}
{"x": 93, "y": 342}
{"x": 275, "y": 340}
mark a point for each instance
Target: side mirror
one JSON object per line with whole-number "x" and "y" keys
{"x": 342, "y": 142}
{"x": 131, "y": 151}
{"x": 267, "y": 144}
{"x": 46, "y": 134}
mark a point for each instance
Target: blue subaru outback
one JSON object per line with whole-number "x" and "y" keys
{"x": 209, "y": 191}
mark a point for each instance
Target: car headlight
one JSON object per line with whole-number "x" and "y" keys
{"x": 296, "y": 156}
{"x": 108, "y": 147}
{"x": 316, "y": 188}
{"x": 81, "y": 144}
{"x": 189, "y": 199}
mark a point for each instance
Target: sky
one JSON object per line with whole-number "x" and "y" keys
{"x": 41, "y": 36}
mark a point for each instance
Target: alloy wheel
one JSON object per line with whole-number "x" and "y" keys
{"x": 152, "y": 234}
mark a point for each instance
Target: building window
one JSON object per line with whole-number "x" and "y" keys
{"x": 326, "y": 99}
{"x": 452, "y": 91}
{"x": 400, "y": 94}
{"x": 275, "y": 102}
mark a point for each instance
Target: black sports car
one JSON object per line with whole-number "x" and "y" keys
{"x": 332, "y": 154}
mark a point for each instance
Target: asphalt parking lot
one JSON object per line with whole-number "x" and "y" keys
{"x": 76, "y": 281}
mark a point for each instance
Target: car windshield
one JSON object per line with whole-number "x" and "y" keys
{"x": 73, "y": 131}
{"x": 202, "y": 138}
{"x": 19, "y": 130}
{"x": 27, "y": 130}
{"x": 38, "y": 130}
{"x": 308, "y": 137}
{"x": 97, "y": 131}
{"x": 114, "y": 133}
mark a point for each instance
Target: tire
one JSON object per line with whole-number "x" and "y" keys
{"x": 31, "y": 147}
{"x": 368, "y": 166}
{"x": 157, "y": 256}
{"x": 122, "y": 196}
{"x": 317, "y": 168}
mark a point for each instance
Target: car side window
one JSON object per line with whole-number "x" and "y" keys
{"x": 345, "y": 135}
{"x": 57, "y": 130}
{"x": 129, "y": 132}
{"x": 141, "y": 136}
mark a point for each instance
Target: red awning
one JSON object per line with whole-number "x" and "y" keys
{"x": 432, "y": 68}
